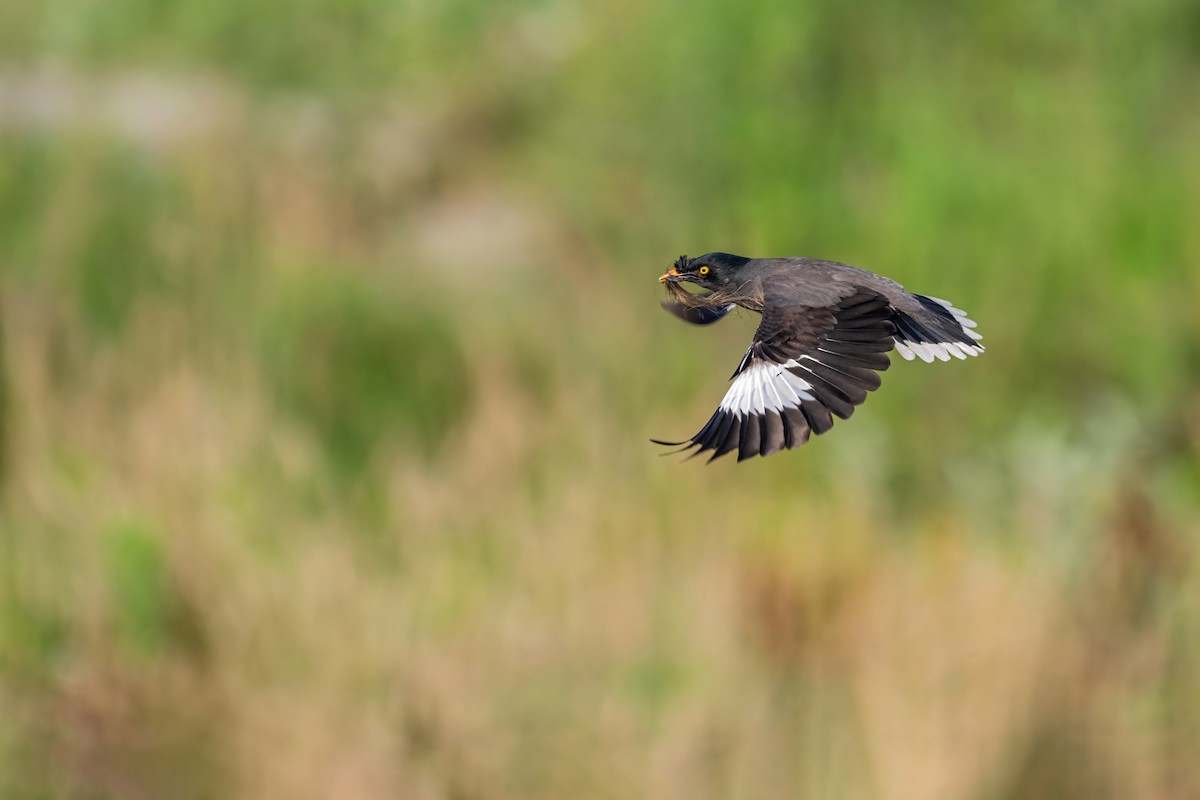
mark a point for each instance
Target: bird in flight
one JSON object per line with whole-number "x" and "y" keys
{"x": 825, "y": 333}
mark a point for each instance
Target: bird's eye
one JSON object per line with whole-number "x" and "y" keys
{"x": 704, "y": 270}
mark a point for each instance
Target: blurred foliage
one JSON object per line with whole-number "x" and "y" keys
{"x": 330, "y": 348}
{"x": 354, "y": 363}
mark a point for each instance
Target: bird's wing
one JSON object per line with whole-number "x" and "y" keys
{"x": 810, "y": 359}
{"x": 698, "y": 315}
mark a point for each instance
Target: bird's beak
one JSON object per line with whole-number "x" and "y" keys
{"x": 670, "y": 275}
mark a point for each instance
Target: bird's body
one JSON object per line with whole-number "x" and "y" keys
{"x": 825, "y": 332}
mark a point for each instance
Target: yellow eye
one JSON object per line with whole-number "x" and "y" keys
{"x": 704, "y": 270}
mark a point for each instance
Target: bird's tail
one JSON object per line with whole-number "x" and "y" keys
{"x": 937, "y": 330}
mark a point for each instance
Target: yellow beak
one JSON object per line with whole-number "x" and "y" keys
{"x": 670, "y": 274}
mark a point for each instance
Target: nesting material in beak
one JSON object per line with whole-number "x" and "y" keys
{"x": 671, "y": 275}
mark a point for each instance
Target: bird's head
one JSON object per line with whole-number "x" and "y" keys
{"x": 713, "y": 271}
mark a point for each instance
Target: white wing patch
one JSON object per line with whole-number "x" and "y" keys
{"x": 943, "y": 351}
{"x": 766, "y": 386}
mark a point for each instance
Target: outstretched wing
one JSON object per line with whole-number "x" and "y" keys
{"x": 806, "y": 364}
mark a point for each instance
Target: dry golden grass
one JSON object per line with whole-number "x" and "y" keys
{"x": 541, "y": 609}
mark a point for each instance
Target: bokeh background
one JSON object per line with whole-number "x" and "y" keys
{"x": 331, "y": 349}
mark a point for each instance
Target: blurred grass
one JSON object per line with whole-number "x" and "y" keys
{"x": 330, "y": 350}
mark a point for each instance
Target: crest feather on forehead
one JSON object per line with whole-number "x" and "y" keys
{"x": 681, "y": 263}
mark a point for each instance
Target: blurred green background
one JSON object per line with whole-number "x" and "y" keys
{"x": 331, "y": 348}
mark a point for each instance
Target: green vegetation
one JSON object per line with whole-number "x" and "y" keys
{"x": 331, "y": 348}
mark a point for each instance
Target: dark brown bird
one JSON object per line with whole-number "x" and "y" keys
{"x": 825, "y": 333}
